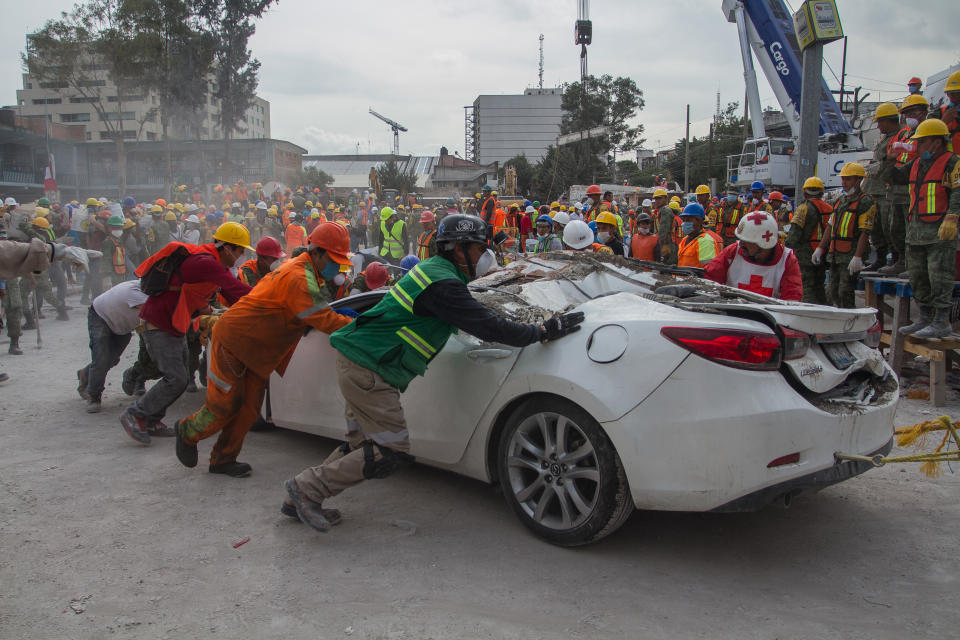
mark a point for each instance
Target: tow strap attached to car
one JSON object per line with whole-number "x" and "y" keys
{"x": 916, "y": 435}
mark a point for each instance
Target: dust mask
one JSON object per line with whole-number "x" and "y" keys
{"x": 913, "y": 123}
{"x": 116, "y": 233}
{"x": 603, "y": 236}
{"x": 486, "y": 262}
{"x": 339, "y": 279}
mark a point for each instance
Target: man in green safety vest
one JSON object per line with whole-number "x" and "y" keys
{"x": 393, "y": 232}
{"x": 391, "y": 344}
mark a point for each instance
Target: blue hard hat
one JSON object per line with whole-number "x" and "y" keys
{"x": 218, "y": 213}
{"x": 211, "y": 217}
{"x": 526, "y": 203}
{"x": 593, "y": 226}
{"x": 756, "y": 186}
{"x": 545, "y": 218}
{"x": 129, "y": 203}
{"x": 409, "y": 262}
{"x": 693, "y": 209}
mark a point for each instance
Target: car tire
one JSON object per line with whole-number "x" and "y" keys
{"x": 262, "y": 425}
{"x": 570, "y": 490}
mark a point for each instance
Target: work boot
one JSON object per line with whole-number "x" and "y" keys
{"x": 939, "y": 327}
{"x": 129, "y": 381}
{"x": 192, "y": 385}
{"x": 140, "y": 388}
{"x": 135, "y": 426}
{"x": 28, "y": 323}
{"x": 896, "y": 267}
{"x": 62, "y": 315}
{"x": 309, "y": 512}
{"x": 289, "y": 509}
{"x": 186, "y": 453}
{"x": 926, "y": 317}
{"x": 4, "y": 377}
{"x": 14, "y": 349}
{"x": 93, "y": 404}
{"x": 82, "y": 383}
{"x": 234, "y": 469}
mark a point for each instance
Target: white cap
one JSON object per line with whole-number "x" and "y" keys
{"x": 192, "y": 218}
{"x": 647, "y": 202}
{"x": 577, "y": 235}
{"x": 562, "y": 218}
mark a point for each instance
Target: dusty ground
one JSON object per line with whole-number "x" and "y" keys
{"x": 143, "y": 548}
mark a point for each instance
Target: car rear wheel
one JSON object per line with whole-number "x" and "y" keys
{"x": 560, "y": 473}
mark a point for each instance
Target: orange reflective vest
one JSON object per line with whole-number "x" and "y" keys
{"x": 928, "y": 196}
{"x": 118, "y": 256}
{"x": 698, "y": 251}
{"x": 193, "y": 295}
{"x": 843, "y": 234}
{"x": 954, "y": 129}
{"x": 825, "y": 211}
{"x": 728, "y": 220}
{"x": 294, "y": 236}
{"x": 423, "y": 245}
{"x": 641, "y": 246}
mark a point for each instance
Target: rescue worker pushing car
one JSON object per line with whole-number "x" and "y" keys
{"x": 394, "y": 342}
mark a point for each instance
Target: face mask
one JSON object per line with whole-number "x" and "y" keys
{"x": 731, "y": 198}
{"x": 542, "y": 234}
{"x": 275, "y": 266}
{"x": 686, "y": 227}
{"x": 643, "y": 231}
{"x": 116, "y": 233}
{"x": 912, "y": 123}
{"x": 330, "y": 271}
{"x": 486, "y": 262}
{"x": 603, "y": 236}
{"x": 926, "y": 155}
{"x": 756, "y": 200}
{"x": 913, "y": 88}
{"x": 339, "y": 279}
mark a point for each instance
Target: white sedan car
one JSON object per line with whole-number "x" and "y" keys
{"x": 677, "y": 394}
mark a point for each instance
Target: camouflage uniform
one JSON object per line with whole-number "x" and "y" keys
{"x": 665, "y": 221}
{"x": 843, "y": 284}
{"x": 804, "y": 228}
{"x": 13, "y": 308}
{"x": 891, "y": 200}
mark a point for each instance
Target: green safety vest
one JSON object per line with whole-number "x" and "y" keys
{"x": 389, "y": 338}
{"x": 391, "y": 239}
{"x": 543, "y": 244}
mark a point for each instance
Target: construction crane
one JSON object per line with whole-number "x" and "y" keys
{"x": 397, "y": 128}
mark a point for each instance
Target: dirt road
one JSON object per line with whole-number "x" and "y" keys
{"x": 102, "y": 537}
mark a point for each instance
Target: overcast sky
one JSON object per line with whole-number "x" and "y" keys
{"x": 420, "y": 61}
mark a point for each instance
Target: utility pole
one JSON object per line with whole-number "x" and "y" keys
{"x": 710, "y": 153}
{"x": 540, "y": 75}
{"x": 807, "y": 145}
{"x": 686, "y": 155}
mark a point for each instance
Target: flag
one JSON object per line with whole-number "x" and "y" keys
{"x": 49, "y": 178}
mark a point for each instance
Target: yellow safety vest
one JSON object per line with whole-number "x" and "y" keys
{"x": 391, "y": 239}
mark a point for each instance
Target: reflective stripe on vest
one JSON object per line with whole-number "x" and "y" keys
{"x": 423, "y": 244}
{"x": 928, "y": 197}
{"x": 411, "y": 337}
{"x": 844, "y": 228}
{"x": 391, "y": 239}
{"x": 824, "y": 212}
{"x": 728, "y": 223}
{"x": 313, "y": 286}
{"x": 404, "y": 298}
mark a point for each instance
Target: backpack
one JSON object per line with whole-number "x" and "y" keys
{"x": 157, "y": 278}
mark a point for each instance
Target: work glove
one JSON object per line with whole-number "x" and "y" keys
{"x": 948, "y": 228}
{"x": 856, "y": 265}
{"x": 559, "y": 326}
{"x": 817, "y": 255}
{"x": 348, "y": 312}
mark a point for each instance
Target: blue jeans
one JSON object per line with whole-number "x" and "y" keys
{"x": 106, "y": 347}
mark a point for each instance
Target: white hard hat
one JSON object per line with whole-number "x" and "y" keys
{"x": 578, "y": 206}
{"x": 10, "y": 202}
{"x": 575, "y": 216}
{"x": 529, "y": 210}
{"x": 261, "y": 204}
{"x": 235, "y": 205}
{"x": 314, "y": 210}
{"x": 759, "y": 228}
{"x": 103, "y": 200}
{"x": 647, "y": 202}
{"x": 577, "y": 235}
{"x": 192, "y": 207}
{"x": 561, "y": 218}
{"x": 192, "y": 218}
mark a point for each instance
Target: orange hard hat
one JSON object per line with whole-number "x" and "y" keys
{"x": 376, "y": 275}
{"x": 269, "y": 248}
{"x": 775, "y": 195}
{"x": 914, "y": 80}
{"x": 427, "y": 216}
{"x": 334, "y": 239}
{"x": 161, "y": 202}
{"x": 594, "y": 190}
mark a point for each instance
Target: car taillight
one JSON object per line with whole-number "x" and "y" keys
{"x": 873, "y": 336}
{"x": 730, "y": 347}
{"x": 795, "y": 343}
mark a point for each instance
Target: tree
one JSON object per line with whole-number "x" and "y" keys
{"x": 562, "y": 167}
{"x": 391, "y": 177}
{"x": 312, "y": 177}
{"x": 708, "y": 154}
{"x": 83, "y": 50}
{"x": 524, "y": 172}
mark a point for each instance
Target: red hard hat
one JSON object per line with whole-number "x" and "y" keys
{"x": 333, "y": 238}
{"x": 269, "y": 248}
{"x": 914, "y": 80}
{"x": 427, "y": 216}
{"x": 594, "y": 190}
{"x": 775, "y": 195}
{"x": 376, "y": 275}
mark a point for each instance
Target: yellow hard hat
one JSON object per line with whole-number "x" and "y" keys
{"x": 675, "y": 199}
{"x": 675, "y": 205}
{"x": 853, "y": 169}
{"x": 309, "y": 203}
{"x": 41, "y": 222}
{"x": 170, "y": 216}
{"x": 813, "y": 182}
{"x": 931, "y": 128}
{"x": 129, "y": 224}
{"x": 41, "y": 212}
{"x": 476, "y": 195}
{"x": 249, "y": 216}
{"x": 289, "y": 205}
{"x": 156, "y": 209}
{"x": 93, "y": 202}
{"x": 233, "y": 233}
{"x": 563, "y": 207}
{"x": 272, "y": 211}
{"x": 607, "y": 218}
{"x": 885, "y": 110}
{"x": 330, "y": 206}
{"x": 953, "y": 82}
{"x": 170, "y": 207}
{"x": 554, "y": 205}
{"x": 178, "y": 207}
{"x": 914, "y": 100}
{"x": 702, "y": 189}
{"x": 660, "y": 193}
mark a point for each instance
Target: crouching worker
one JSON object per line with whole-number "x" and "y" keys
{"x": 391, "y": 344}
{"x": 256, "y": 336}
{"x": 757, "y": 262}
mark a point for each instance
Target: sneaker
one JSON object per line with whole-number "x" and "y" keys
{"x": 234, "y": 469}
{"x": 186, "y": 453}
{"x": 135, "y": 426}
{"x": 129, "y": 381}
{"x": 333, "y": 516}
{"x": 309, "y": 512}
{"x": 160, "y": 430}
{"x": 93, "y": 405}
{"x": 82, "y": 383}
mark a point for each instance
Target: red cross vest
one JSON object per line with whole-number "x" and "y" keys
{"x": 928, "y": 196}
{"x": 758, "y": 278}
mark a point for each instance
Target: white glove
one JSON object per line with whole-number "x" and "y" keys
{"x": 856, "y": 264}
{"x": 817, "y": 255}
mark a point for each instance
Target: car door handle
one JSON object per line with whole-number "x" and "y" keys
{"x": 497, "y": 354}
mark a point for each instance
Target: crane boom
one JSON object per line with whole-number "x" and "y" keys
{"x": 397, "y": 128}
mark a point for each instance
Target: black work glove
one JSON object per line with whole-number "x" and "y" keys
{"x": 559, "y": 326}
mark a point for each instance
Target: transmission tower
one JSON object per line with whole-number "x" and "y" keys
{"x": 540, "y": 83}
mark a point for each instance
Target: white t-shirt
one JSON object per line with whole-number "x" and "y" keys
{"x": 119, "y": 306}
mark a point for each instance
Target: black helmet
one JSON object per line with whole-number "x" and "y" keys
{"x": 643, "y": 216}
{"x": 459, "y": 228}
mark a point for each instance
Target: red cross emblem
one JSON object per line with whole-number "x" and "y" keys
{"x": 756, "y": 285}
{"x": 757, "y": 218}
{"x": 767, "y": 236}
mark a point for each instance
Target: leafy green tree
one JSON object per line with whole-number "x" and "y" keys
{"x": 312, "y": 177}
{"x": 708, "y": 154}
{"x": 392, "y": 177}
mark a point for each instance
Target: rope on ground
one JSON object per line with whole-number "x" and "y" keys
{"x": 916, "y": 436}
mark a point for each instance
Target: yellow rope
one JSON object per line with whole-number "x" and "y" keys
{"x": 915, "y": 435}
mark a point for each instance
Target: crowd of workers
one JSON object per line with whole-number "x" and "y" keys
{"x": 246, "y": 278}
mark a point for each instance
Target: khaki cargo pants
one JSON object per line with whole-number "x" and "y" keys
{"x": 373, "y": 414}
